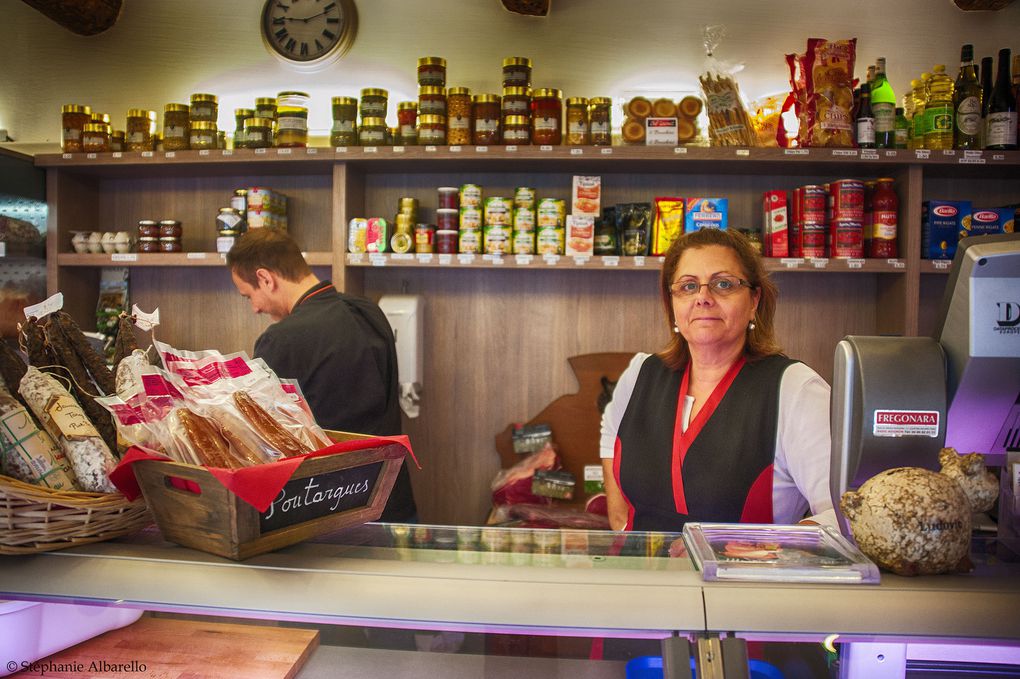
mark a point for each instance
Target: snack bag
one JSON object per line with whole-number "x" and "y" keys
{"x": 829, "y": 74}
{"x": 728, "y": 122}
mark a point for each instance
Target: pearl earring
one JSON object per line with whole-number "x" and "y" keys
{"x": 676, "y": 329}
{"x": 751, "y": 325}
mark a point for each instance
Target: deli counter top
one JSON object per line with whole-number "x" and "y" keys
{"x": 570, "y": 582}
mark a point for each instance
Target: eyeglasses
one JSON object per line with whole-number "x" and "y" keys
{"x": 720, "y": 286}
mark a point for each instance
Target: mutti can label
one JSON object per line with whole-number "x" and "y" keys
{"x": 847, "y": 196}
{"x": 813, "y": 199}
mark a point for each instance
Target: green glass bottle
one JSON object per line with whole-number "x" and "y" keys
{"x": 967, "y": 103}
{"x": 883, "y": 105}
{"x": 902, "y": 129}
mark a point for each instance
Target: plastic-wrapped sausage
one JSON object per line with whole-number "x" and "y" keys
{"x": 268, "y": 428}
{"x": 28, "y": 453}
{"x": 66, "y": 422}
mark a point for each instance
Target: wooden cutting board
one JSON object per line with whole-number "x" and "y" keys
{"x": 186, "y": 649}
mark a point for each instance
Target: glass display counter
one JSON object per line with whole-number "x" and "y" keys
{"x": 500, "y": 584}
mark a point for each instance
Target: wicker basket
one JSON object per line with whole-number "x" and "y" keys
{"x": 38, "y": 519}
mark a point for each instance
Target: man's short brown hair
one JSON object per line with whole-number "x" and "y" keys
{"x": 267, "y": 249}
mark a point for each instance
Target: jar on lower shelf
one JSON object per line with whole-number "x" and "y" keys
{"x": 175, "y": 127}
{"x": 73, "y": 118}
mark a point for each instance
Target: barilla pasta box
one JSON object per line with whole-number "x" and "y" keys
{"x": 580, "y": 237}
{"x": 587, "y": 196}
{"x": 706, "y": 213}
{"x": 985, "y": 221}
{"x": 775, "y": 222}
{"x": 942, "y": 222}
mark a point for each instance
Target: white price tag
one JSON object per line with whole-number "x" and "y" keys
{"x": 144, "y": 321}
{"x": 680, "y": 150}
{"x": 355, "y": 257}
{"x": 398, "y": 149}
{"x": 203, "y": 152}
{"x": 261, "y": 152}
{"x": 844, "y": 152}
{"x": 523, "y": 260}
{"x": 512, "y": 148}
{"x": 581, "y": 260}
{"x": 949, "y": 152}
{"x": 283, "y": 152}
{"x": 972, "y": 161}
{"x": 311, "y": 151}
{"x": 869, "y": 155}
{"x": 430, "y": 149}
{"x": 402, "y": 256}
{"x": 941, "y": 264}
{"x": 445, "y": 260}
{"x": 606, "y": 151}
{"x": 149, "y": 154}
{"x": 195, "y": 255}
{"x": 170, "y": 154}
{"x": 855, "y": 263}
{"x": 922, "y": 154}
{"x": 896, "y": 263}
{"x": 424, "y": 257}
{"x": 639, "y": 261}
{"x": 124, "y": 257}
{"x": 340, "y": 149}
{"x": 90, "y": 156}
{"x": 545, "y": 147}
{"x": 611, "y": 260}
{"x": 998, "y": 156}
{"x": 369, "y": 149}
{"x": 466, "y": 258}
{"x": 576, "y": 151}
{"x": 227, "y": 152}
{"x": 891, "y": 153}
{"x": 743, "y": 153}
{"x": 47, "y": 306}
{"x": 66, "y": 156}
{"x": 820, "y": 262}
{"x": 972, "y": 154}
{"x": 497, "y": 260}
{"x": 796, "y": 152}
{"x": 377, "y": 259}
{"x": 115, "y": 154}
{"x": 455, "y": 149}
{"x": 551, "y": 260}
{"x": 481, "y": 149}
{"x": 791, "y": 262}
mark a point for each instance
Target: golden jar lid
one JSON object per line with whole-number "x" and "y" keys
{"x": 75, "y": 108}
{"x": 517, "y": 120}
{"x": 407, "y": 106}
{"x": 374, "y": 92}
{"x": 516, "y": 91}
{"x": 517, "y": 61}
{"x": 141, "y": 113}
{"x": 244, "y": 113}
{"x": 431, "y": 61}
{"x": 258, "y": 122}
{"x": 100, "y": 117}
{"x": 227, "y": 210}
{"x": 432, "y": 120}
{"x": 432, "y": 90}
{"x": 117, "y": 134}
{"x": 176, "y": 108}
{"x": 577, "y": 101}
{"x": 203, "y": 125}
{"x": 201, "y": 96}
{"x": 345, "y": 101}
{"x": 290, "y": 93}
{"x": 96, "y": 127}
{"x": 459, "y": 92}
{"x": 240, "y": 192}
{"x": 408, "y": 201}
{"x": 265, "y": 101}
{"x": 373, "y": 122}
{"x": 486, "y": 98}
{"x": 548, "y": 93}
{"x": 600, "y": 101}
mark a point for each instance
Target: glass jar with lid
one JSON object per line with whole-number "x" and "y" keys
{"x": 517, "y": 130}
{"x": 175, "y": 127}
{"x": 373, "y": 103}
{"x": 407, "y": 122}
{"x": 599, "y": 121}
{"x": 95, "y": 138}
{"x": 517, "y": 72}
{"x": 97, "y": 117}
{"x": 240, "y": 116}
{"x": 487, "y": 117}
{"x": 547, "y": 117}
{"x": 258, "y": 133}
{"x": 432, "y": 101}
{"x": 117, "y": 140}
{"x": 431, "y": 130}
{"x": 291, "y": 119}
{"x": 432, "y": 72}
{"x": 265, "y": 107}
{"x": 577, "y": 122}
{"x": 372, "y": 132}
{"x": 458, "y": 119}
{"x": 202, "y": 136}
{"x": 516, "y": 101}
{"x": 204, "y": 108}
{"x": 73, "y": 118}
{"x": 345, "y": 122}
{"x": 141, "y": 124}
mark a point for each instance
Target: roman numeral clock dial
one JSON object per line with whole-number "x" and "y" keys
{"x": 309, "y": 32}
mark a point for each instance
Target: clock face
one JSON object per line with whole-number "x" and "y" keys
{"x": 305, "y": 31}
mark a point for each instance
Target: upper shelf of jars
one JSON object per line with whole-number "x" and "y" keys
{"x": 722, "y": 160}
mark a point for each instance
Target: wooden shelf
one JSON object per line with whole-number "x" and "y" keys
{"x": 167, "y": 259}
{"x": 600, "y": 263}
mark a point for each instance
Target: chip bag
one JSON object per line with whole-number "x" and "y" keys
{"x": 829, "y": 74}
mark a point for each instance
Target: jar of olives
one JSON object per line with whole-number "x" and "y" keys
{"x": 431, "y": 130}
{"x": 432, "y": 101}
{"x": 258, "y": 133}
{"x": 372, "y": 132}
{"x": 458, "y": 120}
{"x": 265, "y": 107}
{"x": 345, "y": 119}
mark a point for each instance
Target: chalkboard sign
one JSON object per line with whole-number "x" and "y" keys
{"x": 316, "y": 496}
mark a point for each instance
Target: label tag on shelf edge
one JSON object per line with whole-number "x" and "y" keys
{"x": 820, "y": 262}
{"x": 922, "y": 154}
{"x": 941, "y": 263}
{"x": 149, "y": 154}
{"x": 340, "y": 149}
{"x": 398, "y": 149}
{"x": 466, "y": 258}
{"x": 261, "y": 152}
{"x": 639, "y": 260}
{"x": 377, "y": 259}
{"x": 512, "y": 148}
{"x": 226, "y": 152}
{"x": 606, "y": 151}
{"x": 575, "y": 151}
{"x": 90, "y": 156}
{"x": 115, "y": 154}
{"x": 283, "y": 152}
{"x": 144, "y": 321}
{"x": 854, "y": 263}
{"x": 355, "y": 257}
{"x": 402, "y": 256}
{"x": 867, "y": 154}
{"x": 971, "y": 161}
{"x": 844, "y": 152}
{"x": 369, "y": 149}
{"x": 523, "y": 260}
{"x": 791, "y": 262}
{"x": 610, "y": 260}
{"x": 496, "y": 260}
{"x": 581, "y": 260}
{"x": 430, "y": 149}
{"x": 481, "y": 149}
{"x": 969, "y": 153}
{"x": 124, "y": 257}
{"x": 195, "y": 255}
{"x": 45, "y": 307}
{"x": 311, "y": 150}
{"x": 456, "y": 148}
{"x": 545, "y": 147}
{"x": 896, "y": 263}
{"x": 424, "y": 257}
{"x": 796, "y": 152}
{"x": 743, "y": 153}
{"x": 891, "y": 153}
{"x": 551, "y": 260}
{"x": 445, "y": 260}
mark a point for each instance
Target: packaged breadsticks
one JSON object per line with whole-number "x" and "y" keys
{"x": 728, "y": 122}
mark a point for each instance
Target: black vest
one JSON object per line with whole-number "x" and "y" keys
{"x": 727, "y": 470}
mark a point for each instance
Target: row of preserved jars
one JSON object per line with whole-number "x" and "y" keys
{"x": 516, "y": 72}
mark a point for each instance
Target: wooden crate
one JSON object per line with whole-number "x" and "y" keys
{"x": 194, "y": 509}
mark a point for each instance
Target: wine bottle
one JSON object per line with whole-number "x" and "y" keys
{"x": 883, "y": 105}
{"x": 967, "y": 102}
{"x": 1000, "y": 125}
{"x": 865, "y": 120}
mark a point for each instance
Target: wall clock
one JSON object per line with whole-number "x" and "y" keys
{"x": 309, "y": 32}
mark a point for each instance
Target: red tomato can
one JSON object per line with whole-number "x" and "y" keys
{"x": 847, "y": 200}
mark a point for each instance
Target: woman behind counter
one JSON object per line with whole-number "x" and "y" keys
{"x": 720, "y": 425}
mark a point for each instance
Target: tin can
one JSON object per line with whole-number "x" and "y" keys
{"x": 524, "y": 196}
{"x": 550, "y": 240}
{"x": 447, "y": 219}
{"x": 470, "y": 218}
{"x": 424, "y": 238}
{"x": 402, "y": 242}
{"x": 552, "y": 212}
{"x": 812, "y": 238}
{"x": 524, "y": 219}
{"x": 847, "y": 239}
{"x": 813, "y": 201}
{"x": 847, "y": 200}
{"x": 524, "y": 242}
{"x": 470, "y": 241}
{"x": 446, "y": 242}
{"x": 377, "y": 235}
{"x": 470, "y": 196}
{"x": 498, "y": 240}
{"x": 498, "y": 211}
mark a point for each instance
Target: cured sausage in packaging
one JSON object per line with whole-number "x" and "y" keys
{"x": 28, "y": 453}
